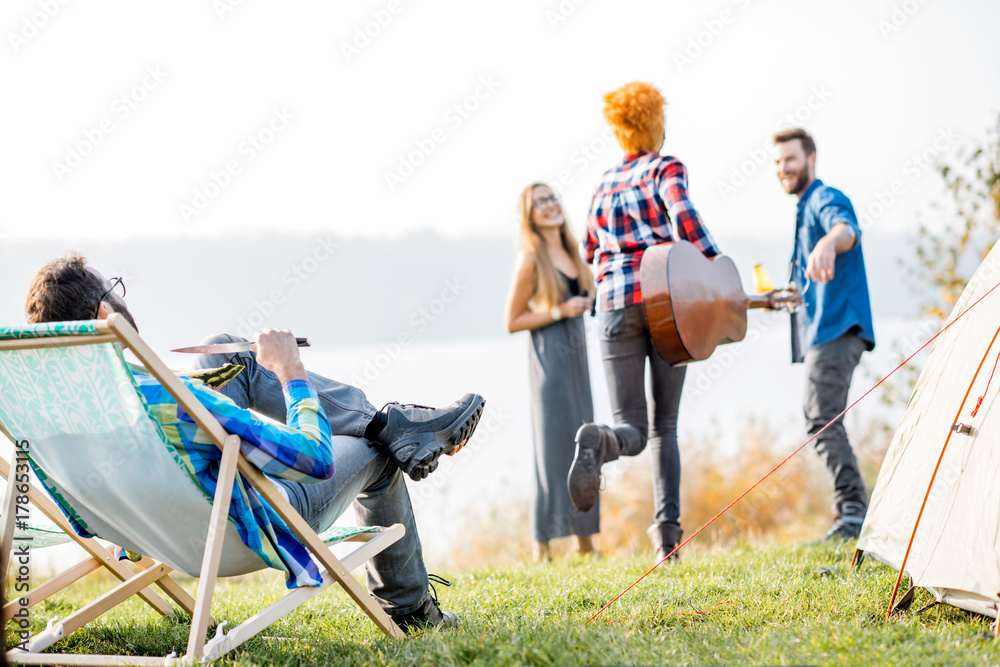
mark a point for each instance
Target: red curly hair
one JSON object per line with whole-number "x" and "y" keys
{"x": 635, "y": 113}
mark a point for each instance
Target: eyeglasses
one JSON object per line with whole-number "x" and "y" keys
{"x": 546, "y": 201}
{"x": 117, "y": 287}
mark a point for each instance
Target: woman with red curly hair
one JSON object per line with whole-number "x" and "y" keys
{"x": 641, "y": 202}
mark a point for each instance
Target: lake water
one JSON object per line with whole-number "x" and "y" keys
{"x": 742, "y": 381}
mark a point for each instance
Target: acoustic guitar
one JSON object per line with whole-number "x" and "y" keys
{"x": 694, "y": 304}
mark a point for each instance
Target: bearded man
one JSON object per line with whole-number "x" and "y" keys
{"x": 835, "y": 323}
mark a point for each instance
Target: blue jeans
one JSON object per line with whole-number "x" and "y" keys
{"x": 364, "y": 476}
{"x": 625, "y": 347}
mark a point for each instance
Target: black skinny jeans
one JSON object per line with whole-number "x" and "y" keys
{"x": 625, "y": 346}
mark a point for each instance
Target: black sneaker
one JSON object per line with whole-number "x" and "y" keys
{"x": 850, "y": 516}
{"x": 415, "y": 436}
{"x": 429, "y": 615}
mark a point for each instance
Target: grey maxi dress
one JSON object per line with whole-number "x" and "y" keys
{"x": 561, "y": 403}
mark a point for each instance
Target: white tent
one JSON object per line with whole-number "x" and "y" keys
{"x": 956, "y": 546}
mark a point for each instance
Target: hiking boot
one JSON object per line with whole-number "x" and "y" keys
{"x": 429, "y": 614}
{"x": 415, "y": 436}
{"x": 584, "y": 481}
{"x": 597, "y": 444}
{"x": 665, "y": 538}
{"x": 850, "y": 516}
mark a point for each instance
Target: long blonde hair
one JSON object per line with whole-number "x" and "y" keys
{"x": 549, "y": 289}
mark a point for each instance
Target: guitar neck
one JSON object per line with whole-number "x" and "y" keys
{"x": 758, "y": 301}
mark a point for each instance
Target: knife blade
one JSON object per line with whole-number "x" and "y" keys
{"x": 231, "y": 347}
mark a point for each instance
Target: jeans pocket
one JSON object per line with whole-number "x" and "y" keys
{"x": 612, "y": 323}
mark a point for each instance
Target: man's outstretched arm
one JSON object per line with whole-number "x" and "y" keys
{"x": 842, "y": 234}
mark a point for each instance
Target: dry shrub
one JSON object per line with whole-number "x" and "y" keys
{"x": 792, "y": 504}
{"x": 499, "y": 535}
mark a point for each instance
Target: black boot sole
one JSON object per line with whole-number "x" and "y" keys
{"x": 446, "y": 440}
{"x": 584, "y": 480}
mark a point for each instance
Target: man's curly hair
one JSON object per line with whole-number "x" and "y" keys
{"x": 63, "y": 290}
{"x": 635, "y": 113}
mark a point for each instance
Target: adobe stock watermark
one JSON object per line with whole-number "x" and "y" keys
{"x": 492, "y": 421}
{"x": 219, "y": 179}
{"x": 122, "y": 107}
{"x": 453, "y": 118}
{"x": 293, "y": 278}
{"x": 725, "y": 356}
{"x": 21, "y": 555}
{"x": 921, "y": 333}
{"x": 420, "y": 321}
{"x": 223, "y": 8}
{"x": 370, "y": 30}
{"x": 987, "y": 273}
{"x": 900, "y": 15}
{"x": 914, "y": 167}
{"x": 31, "y": 25}
{"x": 561, "y": 12}
{"x": 945, "y": 481}
{"x": 762, "y": 154}
{"x": 585, "y": 154}
{"x": 118, "y": 462}
{"x": 703, "y": 40}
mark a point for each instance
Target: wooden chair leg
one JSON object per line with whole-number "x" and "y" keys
{"x": 222, "y": 645}
{"x": 83, "y": 660}
{"x": 213, "y": 547}
{"x": 86, "y": 614}
{"x": 173, "y": 590}
{"x": 311, "y": 540}
{"x": 53, "y": 585}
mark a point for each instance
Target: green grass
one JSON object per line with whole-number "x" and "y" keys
{"x": 765, "y": 605}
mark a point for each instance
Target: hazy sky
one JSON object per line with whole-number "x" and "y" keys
{"x": 224, "y": 117}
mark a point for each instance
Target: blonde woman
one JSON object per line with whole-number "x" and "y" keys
{"x": 551, "y": 290}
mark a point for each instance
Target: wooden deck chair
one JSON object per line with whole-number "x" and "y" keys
{"x": 66, "y": 389}
{"x": 33, "y": 537}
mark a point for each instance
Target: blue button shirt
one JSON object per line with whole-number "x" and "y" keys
{"x": 830, "y": 310}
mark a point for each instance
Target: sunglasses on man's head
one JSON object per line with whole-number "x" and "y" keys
{"x": 117, "y": 287}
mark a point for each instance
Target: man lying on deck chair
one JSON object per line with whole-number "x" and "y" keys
{"x": 320, "y": 477}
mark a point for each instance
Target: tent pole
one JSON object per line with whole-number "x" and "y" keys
{"x": 856, "y": 560}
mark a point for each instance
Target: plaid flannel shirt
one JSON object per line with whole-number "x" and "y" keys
{"x": 300, "y": 451}
{"x": 640, "y": 203}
